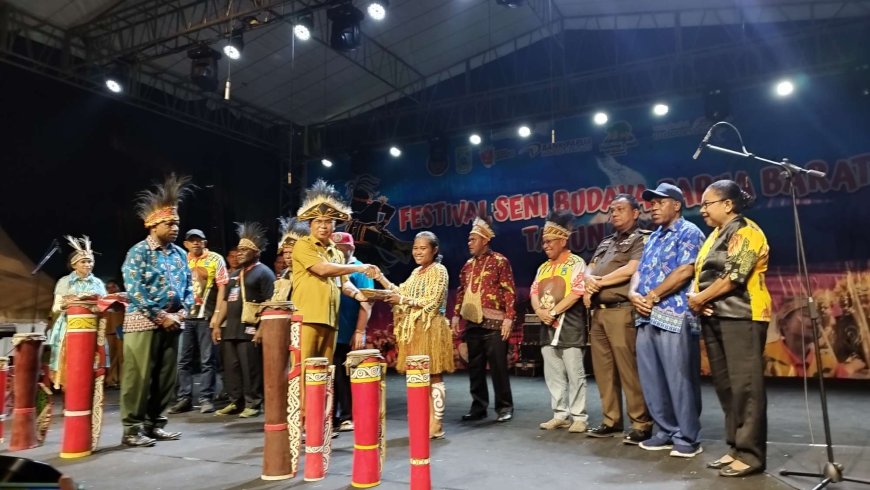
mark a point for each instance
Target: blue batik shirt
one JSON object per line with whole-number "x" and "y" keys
{"x": 348, "y": 311}
{"x": 666, "y": 250}
{"x": 158, "y": 281}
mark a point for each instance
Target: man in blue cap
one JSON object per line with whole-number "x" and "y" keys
{"x": 668, "y": 351}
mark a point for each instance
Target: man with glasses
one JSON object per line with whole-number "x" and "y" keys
{"x": 668, "y": 350}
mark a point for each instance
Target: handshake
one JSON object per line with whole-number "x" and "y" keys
{"x": 371, "y": 271}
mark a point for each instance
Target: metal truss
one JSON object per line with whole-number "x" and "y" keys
{"x": 745, "y": 57}
{"x": 38, "y": 46}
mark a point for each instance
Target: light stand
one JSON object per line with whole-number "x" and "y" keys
{"x": 833, "y": 471}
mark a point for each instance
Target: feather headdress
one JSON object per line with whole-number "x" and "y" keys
{"x": 482, "y": 225}
{"x": 323, "y": 201}
{"x": 82, "y": 248}
{"x": 559, "y": 224}
{"x": 252, "y": 235}
{"x": 291, "y": 229}
{"x": 161, "y": 204}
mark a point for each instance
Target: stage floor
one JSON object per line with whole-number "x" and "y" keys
{"x": 221, "y": 452}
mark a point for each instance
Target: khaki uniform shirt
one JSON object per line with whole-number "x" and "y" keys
{"x": 615, "y": 251}
{"x": 316, "y": 298}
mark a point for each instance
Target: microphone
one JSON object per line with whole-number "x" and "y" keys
{"x": 703, "y": 143}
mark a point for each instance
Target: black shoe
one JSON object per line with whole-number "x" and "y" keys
{"x": 604, "y": 431}
{"x": 504, "y": 416}
{"x": 183, "y": 405}
{"x": 636, "y": 436}
{"x": 137, "y": 440}
{"x": 729, "y": 471}
{"x": 471, "y": 416}
{"x": 162, "y": 435}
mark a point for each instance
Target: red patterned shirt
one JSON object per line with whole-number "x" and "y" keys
{"x": 492, "y": 272}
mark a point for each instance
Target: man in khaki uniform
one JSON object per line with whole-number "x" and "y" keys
{"x": 319, "y": 272}
{"x": 612, "y": 334}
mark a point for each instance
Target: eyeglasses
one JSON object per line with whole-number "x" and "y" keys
{"x": 706, "y": 204}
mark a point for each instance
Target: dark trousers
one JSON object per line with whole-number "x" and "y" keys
{"x": 343, "y": 402}
{"x": 196, "y": 342}
{"x": 487, "y": 346}
{"x": 735, "y": 349}
{"x": 148, "y": 378}
{"x": 243, "y": 372}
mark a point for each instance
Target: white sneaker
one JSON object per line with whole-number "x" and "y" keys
{"x": 555, "y": 424}
{"x": 346, "y": 426}
{"x": 578, "y": 426}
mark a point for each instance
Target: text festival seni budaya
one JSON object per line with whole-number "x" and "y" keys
{"x": 845, "y": 175}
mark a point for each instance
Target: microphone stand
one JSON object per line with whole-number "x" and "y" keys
{"x": 833, "y": 471}
{"x": 54, "y": 247}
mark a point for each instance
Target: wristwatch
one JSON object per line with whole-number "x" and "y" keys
{"x": 655, "y": 297}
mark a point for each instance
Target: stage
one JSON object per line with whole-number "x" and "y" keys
{"x": 226, "y": 452}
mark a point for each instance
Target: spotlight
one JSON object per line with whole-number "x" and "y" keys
{"x": 600, "y": 118}
{"x": 510, "y": 3}
{"x": 395, "y": 152}
{"x": 236, "y": 44}
{"x": 345, "y": 35}
{"x": 303, "y": 26}
{"x": 204, "y": 67}
{"x": 377, "y": 9}
{"x": 117, "y": 77}
{"x": 524, "y": 131}
{"x": 784, "y": 88}
{"x": 660, "y": 109}
{"x": 475, "y": 139}
{"x": 717, "y": 104}
{"x": 326, "y": 162}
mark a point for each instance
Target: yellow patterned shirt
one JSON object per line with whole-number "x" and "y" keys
{"x": 737, "y": 251}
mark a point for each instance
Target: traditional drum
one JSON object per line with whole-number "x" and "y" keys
{"x": 27, "y": 347}
{"x": 318, "y": 417}
{"x": 367, "y": 371}
{"x": 282, "y": 427}
{"x": 78, "y": 358}
{"x": 417, "y": 379}
{"x": 4, "y": 376}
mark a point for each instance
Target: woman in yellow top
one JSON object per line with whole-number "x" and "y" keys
{"x": 419, "y": 323}
{"x": 734, "y": 306}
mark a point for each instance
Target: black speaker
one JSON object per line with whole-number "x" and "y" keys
{"x": 25, "y": 473}
{"x": 204, "y": 67}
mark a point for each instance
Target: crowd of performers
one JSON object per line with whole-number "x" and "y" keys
{"x": 641, "y": 305}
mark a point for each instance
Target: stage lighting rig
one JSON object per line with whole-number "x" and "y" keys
{"x": 303, "y": 26}
{"x": 117, "y": 77}
{"x": 236, "y": 44}
{"x": 345, "y": 34}
{"x": 204, "y": 67}
{"x": 377, "y": 9}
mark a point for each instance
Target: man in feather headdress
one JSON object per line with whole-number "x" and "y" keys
{"x": 160, "y": 294}
{"x": 254, "y": 282}
{"x": 319, "y": 271}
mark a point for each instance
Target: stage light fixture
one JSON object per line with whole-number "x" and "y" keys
{"x": 600, "y": 118}
{"x": 345, "y": 33}
{"x": 235, "y": 45}
{"x": 660, "y": 109}
{"x": 511, "y": 3}
{"x": 524, "y": 131}
{"x": 303, "y": 26}
{"x": 204, "y": 67}
{"x": 475, "y": 139}
{"x": 326, "y": 162}
{"x": 717, "y": 104}
{"x": 117, "y": 77}
{"x": 377, "y": 9}
{"x": 114, "y": 85}
{"x": 784, "y": 88}
{"x": 395, "y": 152}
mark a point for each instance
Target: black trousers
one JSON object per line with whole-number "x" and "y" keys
{"x": 735, "y": 349}
{"x": 243, "y": 372}
{"x": 487, "y": 346}
{"x": 343, "y": 403}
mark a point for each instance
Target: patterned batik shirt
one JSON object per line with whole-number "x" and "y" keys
{"x": 491, "y": 274}
{"x": 667, "y": 250}
{"x": 208, "y": 272}
{"x": 158, "y": 282}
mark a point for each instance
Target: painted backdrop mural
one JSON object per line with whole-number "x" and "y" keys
{"x": 573, "y": 164}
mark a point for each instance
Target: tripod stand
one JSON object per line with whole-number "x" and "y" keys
{"x": 833, "y": 471}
